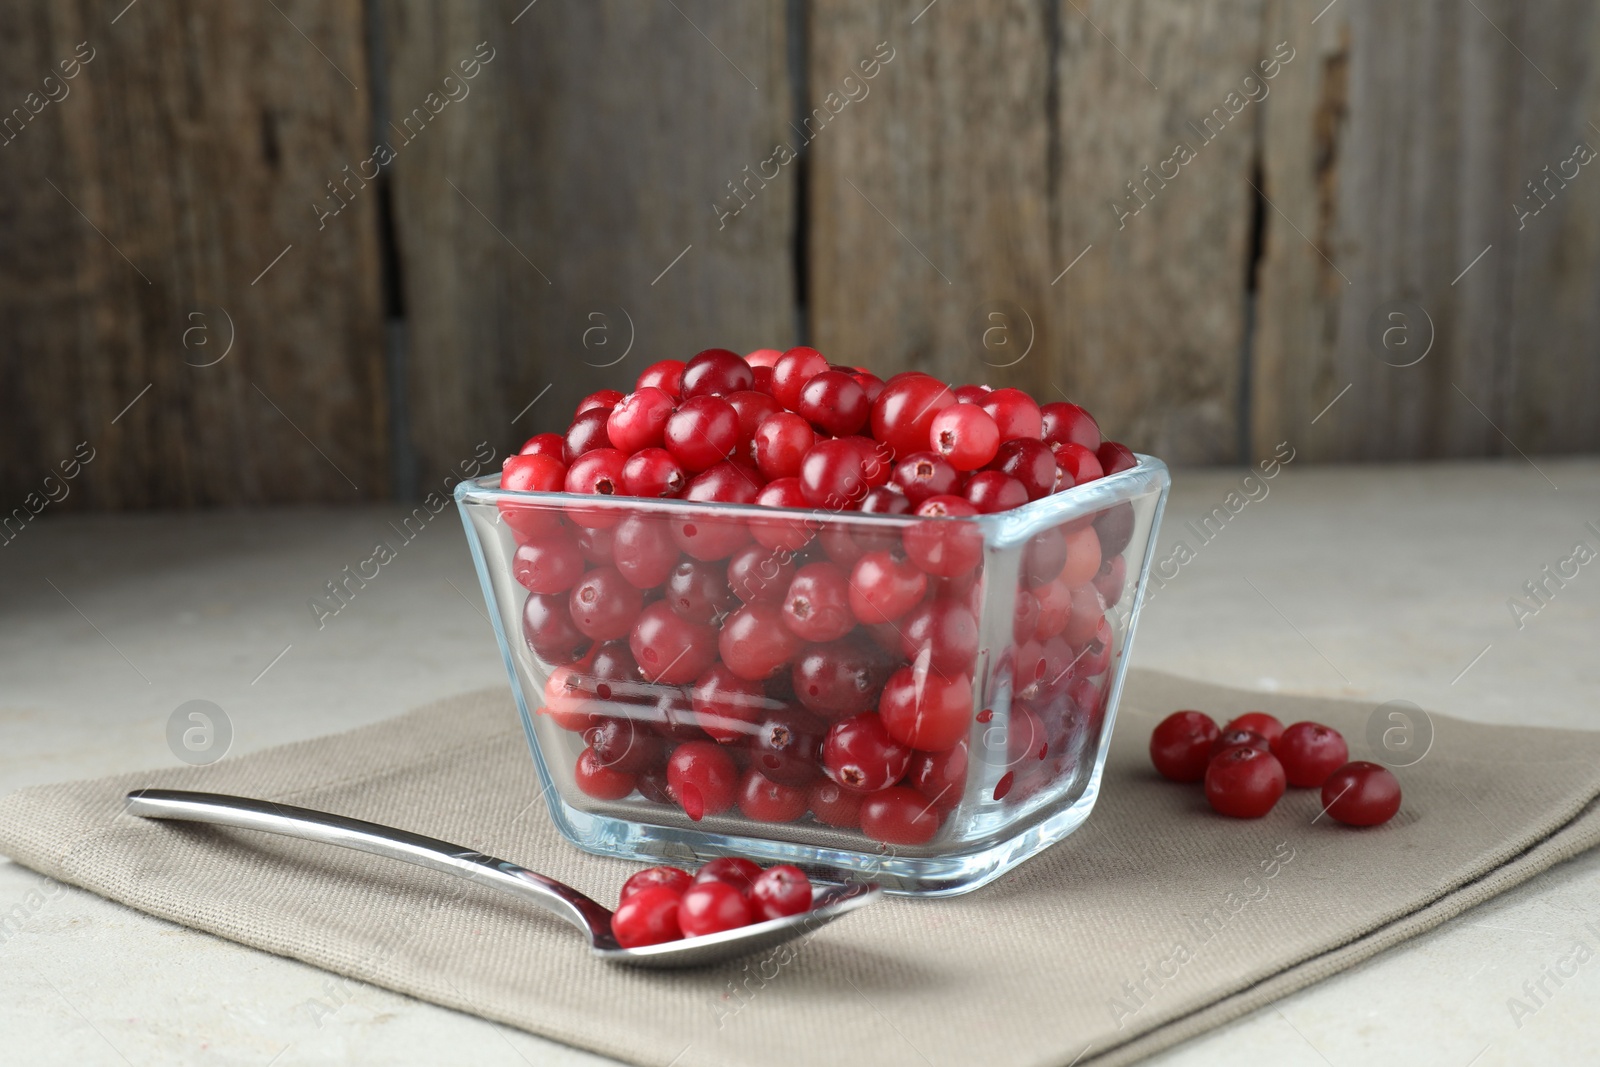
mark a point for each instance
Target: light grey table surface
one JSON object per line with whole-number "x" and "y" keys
{"x": 1376, "y": 582}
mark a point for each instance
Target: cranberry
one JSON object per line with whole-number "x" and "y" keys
{"x": 944, "y": 545}
{"x": 712, "y": 907}
{"x": 1043, "y": 557}
{"x": 639, "y": 420}
{"x": 1087, "y": 611}
{"x": 793, "y": 370}
{"x": 726, "y": 706}
{"x": 711, "y": 537}
{"x": 1310, "y": 752}
{"x": 587, "y": 433}
{"x": 753, "y": 409}
{"x": 833, "y": 474}
{"x": 643, "y": 550}
{"x": 1244, "y": 782}
{"x": 899, "y": 816}
{"x": 870, "y": 383}
{"x": 1055, "y": 608}
{"x": 653, "y": 786}
{"x": 859, "y": 754}
{"x": 884, "y": 586}
{"x": 925, "y": 710}
{"x": 816, "y": 606}
{"x": 940, "y": 776}
{"x": 1083, "y": 556}
{"x": 715, "y": 372}
{"x": 1361, "y": 794}
{"x": 612, "y": 662}
{"x": 548, "y": 629}
{"x": 703, "y": 777}
{"x": 943, "y": 630}
{"x": 965, "y": 435}
{"x": 835, "y": 403}
{"x": 1015, "y": 414}
{"x": 599, "y": 546}
{"x": 597, "y": 473}
{"x": 1258, "y": 722}
{"x": 1115, "y": 458}
{"x": 833, "y": 805}
{"x": 757, "y": 573}
{"x": 780, "y": 443}
{"x": 904, "y": 412}
{"x": 667, "y": 375}
{"x": 731, "y": 870}
{"x": 993, "y": 491}
{"x": 598, "y": 780}
{"x": 885, "y": 500}
{"x": 1227, "y": 739}
{"x": 648, "y": 917}
{"x": 764, "y": 800}
{"x": 548, "y": 564}
{"x": 604, "y": 604}
{"x": 625, "y": 746}
{"x": 1114, "y": 526}
{"x": 780, "y": 891}
{"x": 1180, "y": 746}
{"x": 534, "y": 474}
{"x": 786, "y": 745}
{"x": 1110, "y": 579}
{"x": 670, "y": 713}
{"x": 669, "y": 648}
{"x": 1030, "y": 462}
{"x": 567, "y": 700}
{"x": 754, "y": 641}
{"x": 652, "y": 472}
{"x": 702, "y": 433}
{"x": 698, "y": 591}
{"x": 840, "y": 678}
{"x": 923, "y": 474}
{"x": 1076, "y": 464}
{"x": 1063, "y": 423}
{"x": 788, "y": 535}
{"x": 673, "y": 878}
{"x": 553, "y": 445}
{"x": 1025, "y": 616}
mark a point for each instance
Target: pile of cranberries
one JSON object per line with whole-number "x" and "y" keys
{"x": 667, "y": 903}
{"x": 811, "y": 666}
{"x": 1247, "y": 764}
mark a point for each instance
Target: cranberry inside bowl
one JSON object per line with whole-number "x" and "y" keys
{"x": 921, "y": 701}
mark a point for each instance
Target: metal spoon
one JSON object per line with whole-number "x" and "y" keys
{"x": 588, "y": 916}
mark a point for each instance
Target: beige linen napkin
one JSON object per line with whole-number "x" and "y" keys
{"x": 1155, "y": 921}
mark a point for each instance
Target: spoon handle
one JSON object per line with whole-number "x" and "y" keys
{"x": 308, "y": 825}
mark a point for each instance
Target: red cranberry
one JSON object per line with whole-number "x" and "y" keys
{"x": 781, "y": 441}
{"x": 1110, "y": 580}
{"x": 944, "y": 545}
{"x": 787, "y": 744}
{"x": 587, "y": 433}
{"x": 568, "y": 700}
{"x": 1076, "y": 464}
{"x": 1087, "y": 611}
{"x": 816, "y": 606}
{"x": 730, "y": 870}
{"x": 1015, "y": 414}
{"x": 703, "y": 777}
{"x": 669, "y": 648}
{"x": 673, "y": 878}
{"x": 793, "y": 370}
{"x": 1258, "y": 722}
{"x": 1055, "y": 608}
{"x": 643, "y": 550}
{"x": 753, "y": 408}
{"x": 1180, "y": 746}
{"x": 597, "y": 473}
{"x": 597, "y": 780}
{"x": 712, "y": 907}
{"x": 667, "y": 375}
{"x": 553, "y": 445}
{"x": 648, "y": 917}
{"x": 994, "y": 491}
{"x": 925, "y": 710}
{"x": 715, "y": 372}
{"x": 835, "y": 403}
{"x": 625, "y": 745}
{"x": 833, "y": 805}
{"x": 599, "y": 546}
{"x": 702, "y": 432}
{"x": 604, "y": 604}
{"x": 1310, "y": 753}
{"x": 903, "y": 413}
{"x": 1244, "y": 782}
{"x": 1029, "y": 462}
{"x": 670, "y": 713}
{"x": 788, "y": 535}
{"x": 870, "y": 384}
{"x": 884, "y": 586}
{"x": 940, "y": 776}
{"x": 1361, "y": 794}
{"x": 899, "y": 816}
{"x": 965, "y": 435}
{"x": 1083, "y": 556}
{"x": 639, "y": 421}
{"x": 757, "y": 573}
{"x": 764, "y": 800}
{"x": 923, "y": 474}
{"x": 780, "y": 891}
{"x": 728, "y": 707}
{"x": 548, "y": 564}
{"x": 763, "y": 357}
{"x": 885, "y": 500}
{"x": 833, "y": 475}
{"x": 1114, "y": 527}
{"x": 841, "y": 678}
{"x": 725, "y": 483}
{"x": 1115, "y": 458}
{"x": 698, "y": 591}
{"x": 548, "y": 629}
{"x": 532, "y": 474}
{"x": 1025, "y": 616}
{"x": 859, "y": 754}
{"x": 613, "y": 662}
{"x": 946, "y": 632}
{"x": 653, "y": 472}
{"x": 754, "y": 641}
{"x": 1062, "y": 423}
{"x": 1043, "y": 558}
{"x": 1227, "y": 739}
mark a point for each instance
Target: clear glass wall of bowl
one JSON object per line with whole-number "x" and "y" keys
{"x": 1027, "y": 634}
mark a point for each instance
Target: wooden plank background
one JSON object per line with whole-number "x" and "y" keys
{"x": 408, "y": 261}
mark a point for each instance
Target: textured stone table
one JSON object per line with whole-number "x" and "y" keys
{"x": 1377, "y": 583}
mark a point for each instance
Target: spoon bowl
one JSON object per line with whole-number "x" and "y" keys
{"x": 587, "y": 915}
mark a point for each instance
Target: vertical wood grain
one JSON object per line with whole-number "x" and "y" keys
{"x": 568, "y": 206}
{"x": 140, "y": 211}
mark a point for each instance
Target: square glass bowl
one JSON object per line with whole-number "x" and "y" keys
{"x": 675, "y": 715}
